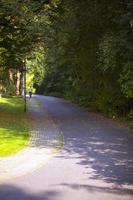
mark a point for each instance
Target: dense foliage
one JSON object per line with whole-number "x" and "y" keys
{"x": 89, "y": 54}
{"x": 79, "y": 50}
{"x": 20, "y": 33}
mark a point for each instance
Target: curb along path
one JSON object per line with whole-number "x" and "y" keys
{"x": 45, "y": 141}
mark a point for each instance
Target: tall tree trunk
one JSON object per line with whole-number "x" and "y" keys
{"x": 18, "y": 74}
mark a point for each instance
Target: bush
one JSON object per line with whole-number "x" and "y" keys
{"x": 10, "y": 89}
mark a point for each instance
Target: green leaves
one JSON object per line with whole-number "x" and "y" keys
{"x": 88, "y": 45}
{"x": 80, "y": 50}
{"x": 126, "y": 80}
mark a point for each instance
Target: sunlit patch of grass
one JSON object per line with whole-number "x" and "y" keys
{"x": 14, "y": 105}
{"x": 14, "y": 130}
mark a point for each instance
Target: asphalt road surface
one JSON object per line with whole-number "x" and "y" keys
{"x": 95, "y": 163}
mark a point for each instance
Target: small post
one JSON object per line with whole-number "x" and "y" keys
{"x": 25, "y": 108}
{"x": 24, "y": 85}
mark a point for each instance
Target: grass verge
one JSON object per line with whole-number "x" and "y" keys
{"x": 14, "y": 130}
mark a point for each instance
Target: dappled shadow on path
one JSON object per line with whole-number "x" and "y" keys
{"x": 91, "y": 188}
{"x": 97, "y": 143}
{"x": 44, "y": 133}
{"x": 102, "y": 147}
{"x": 8, "y": 192}
{"x": 110, "y": 156}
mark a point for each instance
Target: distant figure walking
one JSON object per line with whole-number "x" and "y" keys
{"x": 30, "y": 92}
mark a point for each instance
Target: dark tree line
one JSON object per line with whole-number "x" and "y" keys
{"x": 89, "y": 54}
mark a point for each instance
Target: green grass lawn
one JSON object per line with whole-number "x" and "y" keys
{"x": 14, "y": 130}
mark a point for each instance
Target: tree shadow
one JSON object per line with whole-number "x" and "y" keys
{"x": 97, "y": 143}
{"x": 8, "y": 192}
{"x": 91, "y": 188}
{"x": 45, "y": 134}
{"x": 109, "y": 155}
{"x": 11, "y": 106}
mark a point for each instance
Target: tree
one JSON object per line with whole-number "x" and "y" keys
{"x": 20, "y": 32}
{"x": 81, "y": 50}
{"x": 88, "y": 51}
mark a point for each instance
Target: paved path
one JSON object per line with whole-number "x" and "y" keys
{"x": 95, "y": 163}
